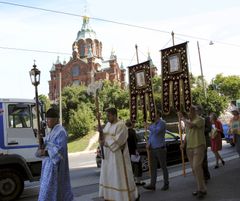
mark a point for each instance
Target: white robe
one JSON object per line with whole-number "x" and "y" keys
{"x": 116, "y": 179}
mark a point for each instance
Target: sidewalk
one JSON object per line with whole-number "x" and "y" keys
{"x": 223, "y": 186}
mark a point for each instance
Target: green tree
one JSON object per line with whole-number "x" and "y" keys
{"x": 72, "y": 98}
{"x": 213, "y": 102}
{"x": 124, "y": 114}
{"x": 157, "y": 90}
{"x": 112, "y": 95}
{"x": 45, "y": 100}
{"x": 227, "y": 85}
{"x": 81, "y": 121}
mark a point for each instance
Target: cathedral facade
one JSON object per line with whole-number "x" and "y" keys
{"x": 86, "y": 64}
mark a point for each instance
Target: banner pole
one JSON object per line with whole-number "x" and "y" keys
{"x": 173, "y": 38}
{"x": 182, "y": 151}
{"x": 137, "y": 53}
{"x": 145, "y": 121}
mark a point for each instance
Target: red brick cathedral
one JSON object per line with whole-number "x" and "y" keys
{"x": 85, "y": 65}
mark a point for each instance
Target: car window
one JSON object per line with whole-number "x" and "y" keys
{"x": 142, "y": 135}
{"x": 170, "y": 135}
{"x": 19, "y": 116}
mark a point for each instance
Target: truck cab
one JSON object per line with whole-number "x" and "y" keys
{"x": 18, "y": 144}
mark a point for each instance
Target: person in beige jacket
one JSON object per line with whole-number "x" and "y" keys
{"x": 195, "y": 145}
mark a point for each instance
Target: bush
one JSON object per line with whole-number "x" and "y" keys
{"x": 81, "y": 122}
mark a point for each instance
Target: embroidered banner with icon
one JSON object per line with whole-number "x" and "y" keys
{"x": 176, "y": 87}
{"x": 140, "y": 85}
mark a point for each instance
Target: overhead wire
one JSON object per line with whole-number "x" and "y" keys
{"x": 119, "y": 23}
{"x": 104, "y": 20}
{"x": 33, "y": 50}
{"x": 132, "y": 59}
{"x": 77, "y": 15}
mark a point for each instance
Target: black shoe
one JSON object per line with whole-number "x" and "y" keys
{"x": 194, "y": 193}
{"x": 150, "y": 187}
{"x": 201, "y": 194}
{"x": 165, "y": 187}
{"x": 216, "y": 167}
{"x": 140, "y": 183}
{"x": 223, "y": 162}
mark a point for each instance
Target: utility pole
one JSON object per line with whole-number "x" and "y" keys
{"x": 202, "y": 77}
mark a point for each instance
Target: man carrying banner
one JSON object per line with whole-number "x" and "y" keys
{"x": 207, "y": 130}
{"x": 116, "y": 178}
{"x": 195, "y": 144}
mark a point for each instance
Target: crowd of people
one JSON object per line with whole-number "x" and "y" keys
{"x": 203, "y": 131}
{"x": 121, "y": 169}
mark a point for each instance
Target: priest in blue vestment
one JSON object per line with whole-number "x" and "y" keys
{"x": 55, "y": 180}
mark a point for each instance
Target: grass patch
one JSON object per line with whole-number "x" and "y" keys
{"x": 95, "y": 145}
{"x": 80, "y": 144}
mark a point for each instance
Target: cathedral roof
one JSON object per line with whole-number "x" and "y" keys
{"x": 53, "y": 68}
{"x": 54, "y": 64}
{"x": 86, "y": 31}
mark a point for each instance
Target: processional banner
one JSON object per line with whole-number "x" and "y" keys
{"x": 176, "y": 89}
{"x": 140, "y": 85}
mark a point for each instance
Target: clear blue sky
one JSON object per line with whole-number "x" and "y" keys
{"x": 216, "y": 20}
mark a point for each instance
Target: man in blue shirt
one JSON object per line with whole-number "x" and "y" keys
{"x": 158, "y": 152}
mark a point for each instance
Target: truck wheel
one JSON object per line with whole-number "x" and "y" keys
{"x": 11, "y": 184}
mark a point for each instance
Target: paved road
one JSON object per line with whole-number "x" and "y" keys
{"x": 85, "y": 175}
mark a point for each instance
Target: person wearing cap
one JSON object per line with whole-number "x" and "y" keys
{"x": 195, "y": 144}
{"x": 235, "y": 129}
{"x": 55, "y": 180}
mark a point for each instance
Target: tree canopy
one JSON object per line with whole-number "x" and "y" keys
{"x": 227, "y": 85}
{"x": 79, "y": 112}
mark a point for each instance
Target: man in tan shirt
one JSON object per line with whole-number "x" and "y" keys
{"x": 195, "y": 145}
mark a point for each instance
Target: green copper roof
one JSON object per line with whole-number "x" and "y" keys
{"x": 86, "y": 31}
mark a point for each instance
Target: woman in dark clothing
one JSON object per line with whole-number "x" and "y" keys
{"x": 132, "y": 146}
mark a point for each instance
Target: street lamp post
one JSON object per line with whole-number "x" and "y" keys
{"x": 35, "y": 79}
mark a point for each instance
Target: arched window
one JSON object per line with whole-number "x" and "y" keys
{"x": 75, "y": 70}
{"x": 82, "y": 48}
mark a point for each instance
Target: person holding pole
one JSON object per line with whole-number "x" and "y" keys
{"x": 195, "y": 144}
{"x": 55, "y": 180}
{"x": 207, "y": 130}
{"x": 158, "y": 152}
{"x": 116, "y": 178}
